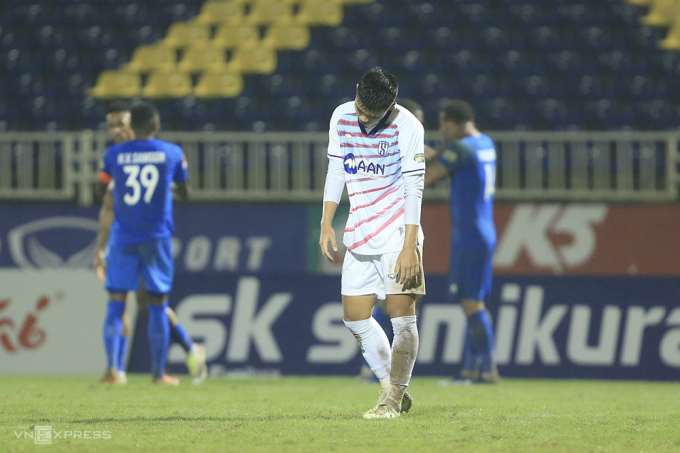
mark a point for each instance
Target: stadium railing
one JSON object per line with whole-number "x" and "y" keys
{"x": 248, "y": 166}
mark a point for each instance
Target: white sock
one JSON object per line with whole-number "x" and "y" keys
{"x": 374, "y": 345}
{"x": 404, "y": 350}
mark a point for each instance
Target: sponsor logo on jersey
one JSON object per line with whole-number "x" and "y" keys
{"x": 353, "y": 166}
{"x": 420, "y": 157}
{"x": 383, "y": 147}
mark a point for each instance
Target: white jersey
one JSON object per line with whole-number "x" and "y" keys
{"x": 375, "y": 163}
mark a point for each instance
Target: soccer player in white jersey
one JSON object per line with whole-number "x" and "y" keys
{"x": 376, "y": 150}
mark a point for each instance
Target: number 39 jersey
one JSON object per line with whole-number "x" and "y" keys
{"x": 471, "y": 162}
{"x": 143, "y": 172}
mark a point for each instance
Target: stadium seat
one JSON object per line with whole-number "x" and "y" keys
{"x": 672, "y": 40}
{"x": 264, "y": 12}
{"x": 254, "y": 58}
{"x": 152, "y": 58}
{"x": 320, "y": 12}
{"x": 201, "y": 58}
{"x": 230, "y": 36}
{"x": 662, "y": 13}
{"x": 219, "y": 85}
{"x": 168, "y": 85}
{"x": 285, "y": 36}
{"x": 222, "y": 12}
{"x": 184, "y": 34}
{"x": 117, "y": 84}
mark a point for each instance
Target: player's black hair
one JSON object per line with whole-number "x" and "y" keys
{"x": 118, "y": 106}
{"x": 377, "y": 90}
{"x": 459, "y": 112}
{"x": 410, "y": 105}
{"x": 143, "y": 115}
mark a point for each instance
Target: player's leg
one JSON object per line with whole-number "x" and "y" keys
{"x": 124, "y": 341}
{"x": 401, "y": 301}
{"x": 196, "y": 355}
{"x": 365, "y": 373}
{"x": 121, "y": 277}
{"x": 475, "y": 289}
{"x": 361, "y": 286}
{"x": 469, "y": 370}
{"x": 158, "y": 271}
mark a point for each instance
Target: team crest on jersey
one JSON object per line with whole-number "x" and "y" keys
{"x": 382, "y": 148}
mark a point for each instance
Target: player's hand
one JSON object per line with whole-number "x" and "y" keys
{"x": 100, "y": 265}
{"x": 430, "y": 153}
{"x": 327, "y": 235}
{"x": 407, "y": 268}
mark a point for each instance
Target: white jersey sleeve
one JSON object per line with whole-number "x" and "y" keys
{"x": 334, "y": 151}
{"x": 412, "y": 147}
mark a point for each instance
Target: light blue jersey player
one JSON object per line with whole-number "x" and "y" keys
{"x": 143, "y": 171}
{"x": 470, "y": 160}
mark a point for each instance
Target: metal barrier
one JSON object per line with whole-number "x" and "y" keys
{"x": 559, "y": 166}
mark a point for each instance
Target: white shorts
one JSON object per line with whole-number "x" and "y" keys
{"x": 365, "y": 275}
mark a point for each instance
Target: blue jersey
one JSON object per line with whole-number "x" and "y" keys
{"x": 142, "y": 172}
{"x": 472, "y": 164}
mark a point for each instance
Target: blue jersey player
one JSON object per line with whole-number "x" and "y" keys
{"x": 470, "y": 159}
{"x": 140, "y": 243}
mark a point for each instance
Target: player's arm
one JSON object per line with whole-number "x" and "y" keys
{"x": 181, "y": 191}
{"x": 333, "y": 188}
{"x": 413, "y": 168}
{"x": 451, "y": 160}
{"x": 105, "y": 221}
{"x": 180, "y": 177}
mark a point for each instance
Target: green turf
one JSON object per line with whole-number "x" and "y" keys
{"x": 324, "y": 415}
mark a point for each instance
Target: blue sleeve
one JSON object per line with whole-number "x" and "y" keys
{"x": 457, "y": 156}
{"x": 108, "y": 162}
{"x": 181, "y": 174}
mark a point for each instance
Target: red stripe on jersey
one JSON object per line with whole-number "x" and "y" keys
{"x": 376, "y": 201}
{"x": 349, "y": 230}
{"x": 369, "y": 191}
{"x": 347, "y": 123}
{"x": 359, "y": 134}
{"x": 377, "y": 232}
{"x": 362, "y": 145}
{"x": 104, "y": 177}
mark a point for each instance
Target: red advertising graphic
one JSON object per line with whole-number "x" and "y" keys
{"x": 571, "y": 239}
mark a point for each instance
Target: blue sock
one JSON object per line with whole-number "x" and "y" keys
{"x": 482, "y": 339}
{"x": 159, "y": 338}
{"x": 113, "y": 327}
{"x": 469, "y": 359}
{"x": 122, "y": 352}
{"x": 179, "y": 335}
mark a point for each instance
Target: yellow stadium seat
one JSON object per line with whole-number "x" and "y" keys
{"x": 355, "y": 2}
{"x": 184, "y": 34}
{"x": 320, "y": 12}
{"x": 117, "y": 84}
{"x": 230, "y": 36}
{"x": 672, "y": 41}
{"x": 219, "y": 85}
{"x": 662, "y": 13}
{"x": 267, "y": 12}
{"x": 197, "y": 59}
{"x": 284, "y": 36}
{"x": 152, "y": 58}
{"x": 220, "y": 11}
{"x": 168, "y": 85}
{"x": 254, "y": 58}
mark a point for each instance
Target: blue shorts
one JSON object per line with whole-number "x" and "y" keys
{"x": 470, "y": 272}
{"x": 151, "y": 259}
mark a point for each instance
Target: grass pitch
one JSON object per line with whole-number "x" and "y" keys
{"x": 324, "y": 415}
